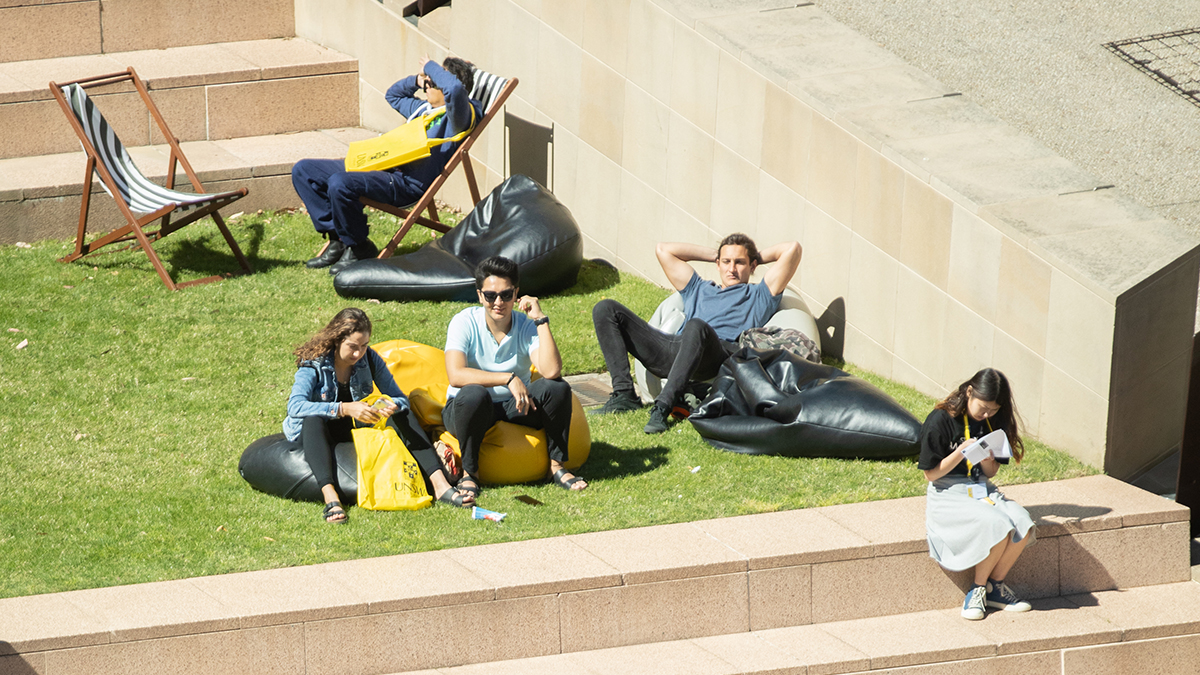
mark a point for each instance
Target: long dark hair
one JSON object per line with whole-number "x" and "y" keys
{"x": 344, "y": 324}
{"x": 990, "y": 385}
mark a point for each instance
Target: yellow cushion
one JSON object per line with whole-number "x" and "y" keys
{"x": 510, "y": 453}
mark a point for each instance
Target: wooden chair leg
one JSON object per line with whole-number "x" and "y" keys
{"x": 470, "y": 171}
{"x": 404, "y": 228}
{"x": 237, "y": 252}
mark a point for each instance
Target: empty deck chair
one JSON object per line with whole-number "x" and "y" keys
{"x": 492, "y": 92}
{"x": 140, "y": 200}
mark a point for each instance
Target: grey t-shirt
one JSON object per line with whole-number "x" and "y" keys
{"x": 728, "y": 310}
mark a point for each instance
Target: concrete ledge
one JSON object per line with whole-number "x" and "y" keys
{"x": 618, "y": 589}
{"x": 204, "y": 92}
{"x": 40, "y": 196}
{"x": 1075, "y": 635}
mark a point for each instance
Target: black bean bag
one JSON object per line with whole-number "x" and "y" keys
{"x": 520, "y": 220}
{"x": 775, "y": 403}
{"x": 277, "y": 466}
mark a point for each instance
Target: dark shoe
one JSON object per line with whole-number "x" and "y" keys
{"x": 457, "y": 498}
{"x": 472, "y": 486}
{"x": 335, "y": 514}
{"x": 658, "y": 420}
{"x": 330, "y": 255}
{"x": 620, "y": 401}
{"x": 566, "y": 483}
{"x": 353, "y": 254}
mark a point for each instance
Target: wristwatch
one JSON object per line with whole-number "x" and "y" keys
{"x": 542, "y": 321}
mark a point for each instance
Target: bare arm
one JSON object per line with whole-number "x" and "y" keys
{"x": 546, "y": 357}
{"x": 460, "y": 375}
{"x": 786, "y": 257}
{"x": 674, "y": 257}
{"x": 948, "y": 462}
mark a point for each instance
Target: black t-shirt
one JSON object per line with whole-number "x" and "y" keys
{"x": 942, "y": 434}
{"x": 343, "y": 394}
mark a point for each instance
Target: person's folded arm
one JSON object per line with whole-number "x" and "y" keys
{"x": 458, "y": 103}
{"x": 786, "y": 259}
{"x": 674, "y": 257}
{"x": 402, "y": 96}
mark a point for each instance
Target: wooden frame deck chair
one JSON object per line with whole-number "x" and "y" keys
{"x": 140, "y": 200}
{"x": 492, "y": 92}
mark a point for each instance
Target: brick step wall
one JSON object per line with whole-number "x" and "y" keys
{"x": 41, "y": 29}
{"x": 205, "y": 92}
{"x": 40, "y": 196}
{"x": 595, "y": 591}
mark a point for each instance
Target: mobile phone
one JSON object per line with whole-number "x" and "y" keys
{"x": 381, "y": 403}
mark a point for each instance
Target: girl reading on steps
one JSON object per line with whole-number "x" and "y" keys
{"x": 968, "y": 522}
{"x": 335, "y": 370}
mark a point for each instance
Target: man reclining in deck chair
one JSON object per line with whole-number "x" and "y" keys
{"x": 331, "y": 193}
{"x": 716, "y": 315}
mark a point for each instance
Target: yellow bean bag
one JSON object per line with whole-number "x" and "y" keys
{"x": 510, "y": 453}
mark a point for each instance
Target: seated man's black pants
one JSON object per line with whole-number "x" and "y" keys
{"x": 320, "y": 435}
{"x": 696, "y": 353}
{"x": 472, "y": 412}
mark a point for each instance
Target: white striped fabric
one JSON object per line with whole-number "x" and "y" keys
{"x": 142, "y": 195}
{"x": 486, "y": 88}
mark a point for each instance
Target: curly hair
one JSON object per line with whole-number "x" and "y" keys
{"x": 462, "y": 69}
{"x": 989, "y": 385}
{"x": 344, "y": 324}
{"x": 739, "y": 239}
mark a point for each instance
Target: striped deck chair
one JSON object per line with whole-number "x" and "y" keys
{"x": 140, "y": 200}
{"x": 490, "y": 90}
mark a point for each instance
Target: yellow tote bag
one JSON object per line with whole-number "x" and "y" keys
{"x": 405, "y": 144}
{"x": 389, "y": 479}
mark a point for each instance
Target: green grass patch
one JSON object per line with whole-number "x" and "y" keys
{"x": 124, "y": 416}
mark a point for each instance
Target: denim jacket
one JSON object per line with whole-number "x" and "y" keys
{"x": 315, "y": 390}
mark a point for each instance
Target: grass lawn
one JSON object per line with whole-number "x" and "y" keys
{"x": 124, "y": 415}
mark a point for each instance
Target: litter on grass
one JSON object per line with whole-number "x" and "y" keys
{"x": 483, "y": 514}
{"x": 22, "y": 344}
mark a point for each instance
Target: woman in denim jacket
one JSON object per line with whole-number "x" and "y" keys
{"x": 335, "y": 370}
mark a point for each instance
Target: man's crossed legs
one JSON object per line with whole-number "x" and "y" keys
{"x": 695, "y": 353}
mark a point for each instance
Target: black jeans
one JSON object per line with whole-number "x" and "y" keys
{"x": 319, "y": 435}
{"x": 696, "y": 353}
{"x": 472, "y": 412}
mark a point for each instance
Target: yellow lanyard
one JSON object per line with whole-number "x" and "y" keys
{"x": 967, "y": 434}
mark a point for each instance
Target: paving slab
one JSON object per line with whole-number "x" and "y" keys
{"x": 282, "y": 596}
{"x": 291, "y": 58}
{"x": 1149, "y": 611}
{"x": 910, "y": 639}
{"x": 412, "y": 581}
{"x": 893, "y": 527}
{"x": 155, "y": 610}
{"x": 661, "y": 553}
{"x": 272, "y": 155}
{"x": 786, "y": 538}
{"x": 750, "y": 654}
{"x": 43, "y": 622}
{"x": 545, "y": 566}
{"x": 1053, "y": 623}
{"x": 193, "y": 66}
{"x": 663, "y": 658}
{"x": 821, "y": 651}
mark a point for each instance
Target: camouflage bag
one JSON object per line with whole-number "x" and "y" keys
{"x": 768, "y": 338}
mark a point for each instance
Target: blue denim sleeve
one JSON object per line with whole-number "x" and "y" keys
{"x": 302, "y": 402}
{"x": 384, "y": 380}
{"x": 401, "y": 96}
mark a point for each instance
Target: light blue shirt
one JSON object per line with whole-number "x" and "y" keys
{"x": 468, "y": 333}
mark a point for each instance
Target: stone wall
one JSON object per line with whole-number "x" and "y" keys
{"x": 937, "y": 239}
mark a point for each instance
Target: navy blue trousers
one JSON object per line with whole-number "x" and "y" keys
{"x": 330, "y": 193}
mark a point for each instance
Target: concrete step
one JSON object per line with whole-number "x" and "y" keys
{"x": 862, "y": 568}
{"x": 42, "y": 29}
{"x": 205, "y": 92}
{"x": 40, "y": 196}
{"x": 1155, "y": 629}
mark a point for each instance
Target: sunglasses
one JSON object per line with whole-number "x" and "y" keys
{"x": 429, "y": 85}
{"x": 505, "y": 295}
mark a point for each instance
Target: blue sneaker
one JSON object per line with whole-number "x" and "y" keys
{"x": 1000, "y": 596}
{"x": 973, "y": 605}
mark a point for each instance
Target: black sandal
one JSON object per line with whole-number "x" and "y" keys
{"x": 333, "y": 509}
{"x": 455, "y": 497}
{"x": 566, "y": 483}
{"x": 473, "y": 488}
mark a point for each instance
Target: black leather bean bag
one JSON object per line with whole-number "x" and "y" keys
{"x": 277, "y": 466}
{"x": 520, "y": 220}
{"x": 775, "y": 403}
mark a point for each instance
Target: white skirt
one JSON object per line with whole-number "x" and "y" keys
{"x": 962, "y": 530}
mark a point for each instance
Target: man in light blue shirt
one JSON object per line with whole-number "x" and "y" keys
{"x": 716, "y": 314}
{"x": 489, "y": 351}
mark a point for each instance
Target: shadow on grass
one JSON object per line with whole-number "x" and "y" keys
{"x": 609, "y": 461}
{"x": 593, "y": 277}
